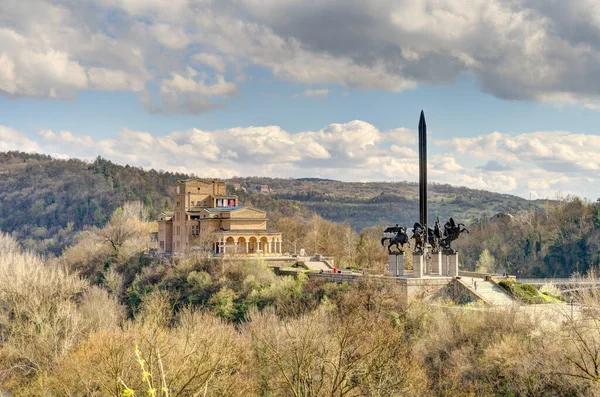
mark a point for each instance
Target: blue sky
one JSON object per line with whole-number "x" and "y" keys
{"x": 311, "y": 88}
{"x": 458, "y": 109}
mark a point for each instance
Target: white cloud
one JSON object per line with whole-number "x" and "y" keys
{"x": 28, "y": 68}
{"x": 11, "y": 139}
{"x": 322, "y": 92}
{"x": 528, "y": 49}
{"x": 553, "y": 151}
{"x": 214, "y": 61}
{"x": 192, "y": 94}
{"x": 543, "y": 163}
{"x": 114, "y": 80}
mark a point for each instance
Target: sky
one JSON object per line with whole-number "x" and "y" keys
{"x": 312, "y": 88}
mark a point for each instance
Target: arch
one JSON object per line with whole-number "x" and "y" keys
{"x": 264, "y": 245}
{"x": 229, "y": 245}
{"x": 252, "y": 245}
{"x": 242, "y": 245}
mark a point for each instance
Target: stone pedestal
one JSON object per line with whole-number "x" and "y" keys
{"x": 400, "y": 265}
{"x": 396, "y": 264}
{"x": 452, "y": 264}
{"x": 418, "y": 265}
{"x": 436, "y": 264}
{"x": 444, "y": 264}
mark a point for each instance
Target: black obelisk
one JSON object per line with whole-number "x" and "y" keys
{"x": 423, "y": 171}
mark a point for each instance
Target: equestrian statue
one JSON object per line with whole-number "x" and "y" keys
{"x": 451, "y": 232}
{"x": 398, "y": 240}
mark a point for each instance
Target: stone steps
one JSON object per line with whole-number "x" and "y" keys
{"x": 492, "y": 293}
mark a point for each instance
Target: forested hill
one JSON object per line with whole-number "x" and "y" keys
{"x": 365, "y": 204}
{"x": 44, "y": 201}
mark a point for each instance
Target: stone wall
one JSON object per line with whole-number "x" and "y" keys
{"x": 459, "y": 292}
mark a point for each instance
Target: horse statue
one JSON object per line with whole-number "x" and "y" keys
{"x": 435, "y": 235}
{"x": 420, "y": 236}
{"x": 451, "y": 232}
{"x": 399, "y": 240}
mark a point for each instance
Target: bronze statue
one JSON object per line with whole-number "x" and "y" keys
{"x": 451, "y": 232}
{"x": 399, "y": 240}
{"x": 420, "y": 238}
{"x": 435, "y": 235}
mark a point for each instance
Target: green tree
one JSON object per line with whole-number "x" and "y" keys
{"x": 486, "y": 262}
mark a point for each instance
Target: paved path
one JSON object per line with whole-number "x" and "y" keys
{"x": 317, "y": 266}
{"x": 492, "y": 293}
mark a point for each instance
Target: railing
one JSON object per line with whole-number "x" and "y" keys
{"x": 339, "y": 277}
{"x": 538, "y": 281}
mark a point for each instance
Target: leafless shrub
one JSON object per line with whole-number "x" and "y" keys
{"x": 325, "y": 354}
{"x": 100, "y": 310}
{"x": 38, "y": 313}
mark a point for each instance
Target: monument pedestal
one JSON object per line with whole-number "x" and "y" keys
{"x": 436, "y": 264}
{"x": 418, "y": 265}
{"x": 396, "y": 264}
{"x": 451, "y": 262}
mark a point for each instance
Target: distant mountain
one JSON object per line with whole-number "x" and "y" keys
{"x": 365, "y": 204}
{"x": 45, "y": 201}
{"x": 315, "y": 180}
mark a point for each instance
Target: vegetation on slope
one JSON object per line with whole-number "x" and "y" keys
{"x": 45, "y": 202}
{"x": 526, "y": 293}
{"x": 561, "y": 240}
{"x": 184, "y": 333}
{"x": 364, "y": 204}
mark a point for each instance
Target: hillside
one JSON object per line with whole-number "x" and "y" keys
{"x": 365, "y": 204}
{"x": 44, "y": 201}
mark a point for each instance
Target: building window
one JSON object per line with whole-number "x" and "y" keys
{"x": 178, "y": 230}
{"x": 177, "y": 244}
{"x": 162, "y": 244}
{"x": 178, "y": 204}
{"x": 192, "y": 203}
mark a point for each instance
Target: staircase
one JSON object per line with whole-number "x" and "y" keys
{"x": 491, "y": 293}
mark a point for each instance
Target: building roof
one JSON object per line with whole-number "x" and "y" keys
{"x": 215, "y": 209}
{"x": 224, "y": 209}
{"x": 208, "y": 180}
{"x": 168, "y": 213}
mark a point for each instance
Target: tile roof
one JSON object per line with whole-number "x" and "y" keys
{"x": 248, "y": 231}
{"x": 224, "y": 209}
{"x": 198, "y": 179}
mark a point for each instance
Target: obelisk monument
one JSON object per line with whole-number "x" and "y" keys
{"x": 420, "y": 265}
{"x": 423, "y": 172}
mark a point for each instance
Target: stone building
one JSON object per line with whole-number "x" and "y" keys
{"x": 206, "y": 218}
